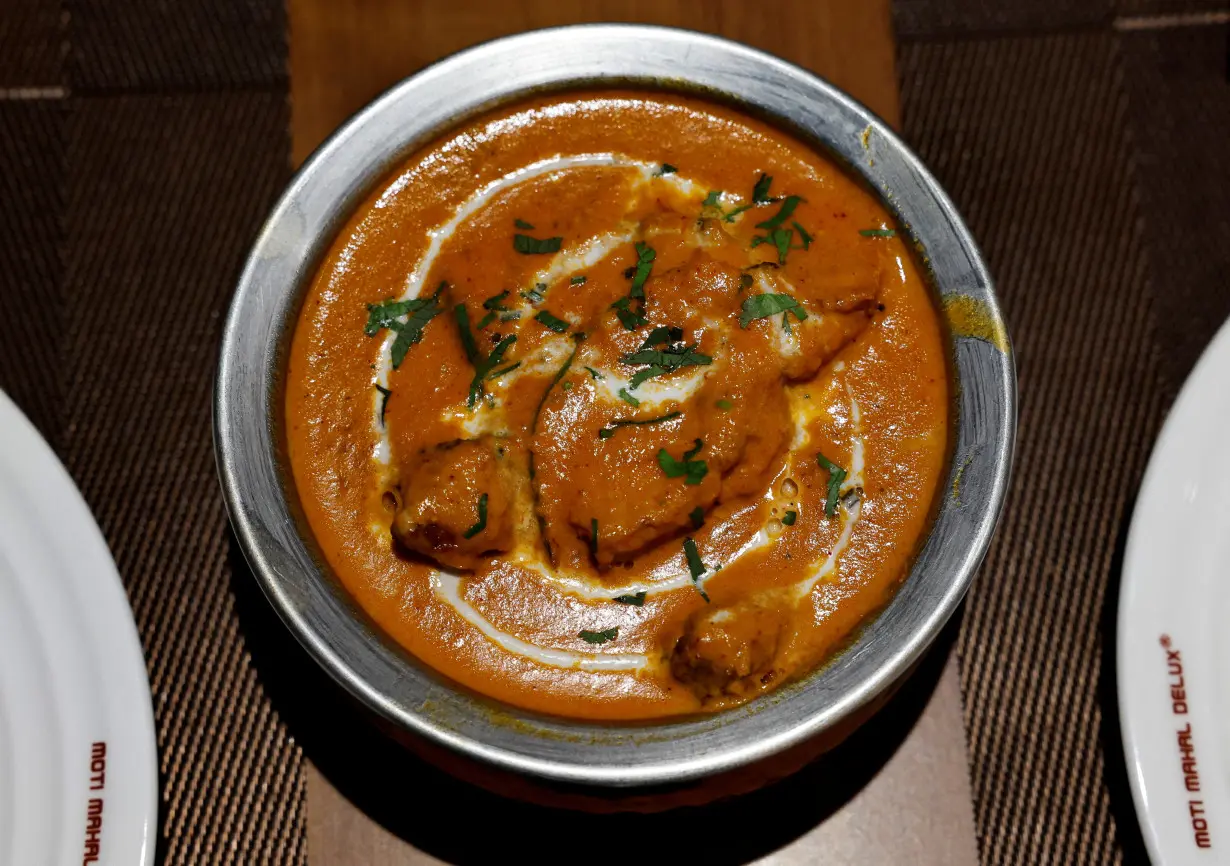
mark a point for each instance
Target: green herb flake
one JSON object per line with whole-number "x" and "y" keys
{"x": 760, "y": 192}
{"x": 510, "y": 317}
{"x": 725, "y": 405}
{"x": 498, "y": 373}
{"x": 745, "y": 282}
{"x": 837, "y": 476}
{"x": 665, "y": 360}
{"x": 485, "y": 321}
{"x": 713, "y": 199}
{"x": 781, "y": 239}
{"x": 536, "y": 294}
{"x": 599, "y": 636}
{"x": 385, "y": 394}
{"x": 522, "y": 224}
{"x": 692, "y": 471}
{"x": 566, "y": 386}
{"x": 878, "y": 233}
{"x": 734, "y": 212}
{"x": 635, "y": 599}
{"x": 419, "y": 311}
{"x": 789, "y": 518}
{"x": 697, "y": 516}
{"x": 496, "y": 302}
{"x": 483, "y": 365}
{"x": 804, "y": 237}
{"x": 482, "y": 519}
{"x": 666, "y": 168}
{"x": 609, "y": 430}
{"x": 529, "y": 246}
{"x": 628, "y": 398}
{"x": 644, "y": 265}
{"x": 551, "y": 322}
{"x": 769, "y": 304}
{"x": 593, "y": 536}
{"x": 789, "y": 203}
{"x": 631, "y": 319}
{"x": 578, "y": 281}
{"x": 695, "y": 566}
{"x": 595, "y": 373}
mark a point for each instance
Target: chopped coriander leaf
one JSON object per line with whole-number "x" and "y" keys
{"x": 666, "y": 168}
{"x": 609, "y": 430}
{"x": 837, "y": 475}
{"x": 644, "y": 264}
{"x": 769, "y": 304}
{"x": 593, "y": 536}
{"x": 554, "y": 323}
{"x": 636, "y": 598}
{"x": 482, "y": 518}
{"x": 745, "y": 282}
{"x": 789, "y": 203}
{"x": 536, "y": 294}
{"x": 804, "y": 237}
{"x": 641, "y": 376}
{"x": 692, "y": 471}
{"x": 485, "y": 321}
{"x": 629, "y": 318}
{"x": 628, "y": 398}
{"x": 734, "y": 212}
{"x": 566, "y": 386}
{"x": 786, "y": 324}
{"x": 578, "y": 281}
{"x": 725, "y": 404}
{"x": 498, "y": 373}
{"x": 789, "y": 518}
{"x": 782, "y": 239}
{"x": 473, "y": 355}
{"x": 662, "y": 335}
{"x": 695, "y": 567}
{"x": 529, "y": 246}
{"x": 420, "y": 311}
{"x": 522, "y": 224}
{"x": 496, "y": 302}
{"x": 510, "y": 317}
{"x": 760, "y": 192}
{"x": 713, "y": 199}
{"x": 599, "y": 636}
{"x": 595, "y": 373}
{"x": 384, "y": 401}
{"x": 483, "y": 365}
{"x": 877, "y": 233}
{"x": 697, "y": 516}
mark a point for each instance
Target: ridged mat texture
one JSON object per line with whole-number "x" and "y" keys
{"x": 146, "y": 141}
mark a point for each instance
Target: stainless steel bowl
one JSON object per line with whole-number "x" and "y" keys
{"x": 263, "y": 505}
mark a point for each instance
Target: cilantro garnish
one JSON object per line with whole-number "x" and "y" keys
{"x": 482, "y": 519}
{"x": 725, "y": 405}
{"x": 636, "y": 598}
{"x": 595, "y": 373}
{"x": 666, "y": 168}
{"x": 760, "y": 192}
{"x": 695, "y": 566}
{"x": 483, "y": 365}
{"x": 803, "y": 235}
{"x": 609, "y": 430}
{"x": 769, "y": 304}
{"x": 536, "y": 294}
{"x": 629, "y": 318}
{"x": 554, "y": 323}
{"x": 522, "y": 224}
{"x": 529, "y": 246}
{"x": 672, "y": 356}
{"x": 697, "y": 516}
{"x": 593, "y": 536}
{"x": 745, "y": 282}
{"x": 789, "y": 203}
{"x": 498, "y": 373}
{"x": 692, "y": 471}
{"x": 599, "y": 636}
{"x": 485, "y": 321}
{"x": 578, "y": 281}
{"x": 420, "y": 311}
{"x": 878, "y": 233}
{"x": 496, "y": 302}
{"x": 837, "y": 475}
{"x": 628, "y": 398}
{"x": 789, "y": 517}
{"x": 644, "y": 264}
{"x": 384, "y": 402}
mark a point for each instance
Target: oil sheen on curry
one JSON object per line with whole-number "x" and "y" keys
{"x": 618, "y": 405}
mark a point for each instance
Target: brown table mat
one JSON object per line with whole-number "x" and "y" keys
{"x": 142, "y": 143}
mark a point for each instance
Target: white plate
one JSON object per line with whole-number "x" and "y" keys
{"x": 78, "y": 771}
{"x": 1174, "y": 627}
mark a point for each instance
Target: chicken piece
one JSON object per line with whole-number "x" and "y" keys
{"x": 729, "y": 651}
{"x": 454, "y": 506}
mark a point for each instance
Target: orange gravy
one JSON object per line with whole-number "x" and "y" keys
{"x": 618, "y": 405}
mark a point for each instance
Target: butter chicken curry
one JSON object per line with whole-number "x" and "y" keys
{"x": 618, "y": 405}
